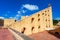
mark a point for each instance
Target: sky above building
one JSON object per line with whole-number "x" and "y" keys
{"x": 17, "y": 8}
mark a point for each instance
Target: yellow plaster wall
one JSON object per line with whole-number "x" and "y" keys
{"x": 33, "y": 27}
{"x": 8, "y": 22}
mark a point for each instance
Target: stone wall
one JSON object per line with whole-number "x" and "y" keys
{"x": 37, "y": 22}
{"x": 8, "y": 22}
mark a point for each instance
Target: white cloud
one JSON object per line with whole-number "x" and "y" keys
{"x": 11, "y": 17}
{"x": 26, "y": 15}
{"x": 1, "y": 17}
{"x": 18, "y": 12}
{"x": 16, "y": 18}
{"x": 23, "y": 11}
{"x": 31, "y": 7}
{"x": 17, "y": 15}
{"x": 58, "y": 18}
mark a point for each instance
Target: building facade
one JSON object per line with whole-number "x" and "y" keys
{"x": 37, "y": 22}
{"x": 5, "y": 23}
{"x": 8, "y": 22}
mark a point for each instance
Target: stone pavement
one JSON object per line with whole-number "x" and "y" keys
{"x": 18, "y": 35}
{"x": 9, "y": 34}
{"x": 45, "y": 35}
{"x": 5, "y": 34}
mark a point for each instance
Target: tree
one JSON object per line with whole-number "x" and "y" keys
{"x": 55, "y": 22}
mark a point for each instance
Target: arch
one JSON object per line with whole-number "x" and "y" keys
{"x": 46, "y": 20}
{"x": 57, "y": 33}
{"x": 32, "y": 28}
{"x": 15, "y": 20}
{"x": 32, "y": 19}
{"x": 45, "y": 11}
{"x": 23, "y": 30}
{"x": 42, "y": 13}
{"x": 48, "y": 15}
{"x": 46, "y": 26}
{"x": 45, "y": 14}
{"x": 39, "y": 19}
{"x": 38, "y": 27}
{"x": 38, "y": 15}
{"x": 48, "y": 10}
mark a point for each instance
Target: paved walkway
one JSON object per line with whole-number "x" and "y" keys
{"x": 19, "y": 36}
{"x": 10, "y": 34}
{"x": 5, "y": 34}
{"x": 45, "y": 35}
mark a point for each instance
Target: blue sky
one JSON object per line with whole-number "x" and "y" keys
{"x": 17, "y": 8}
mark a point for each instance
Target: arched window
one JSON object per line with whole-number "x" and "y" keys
{"x": 45, "y": 11}
{"x": 45, "y": 14}
{"x": 46, "y": 20}
{"x": 42, "y": 13}
{"x": 48, "y": 15}
{"x": 32, "y": 28}
{"x": 15, "y": 20}
{"x": 23, "y": 30}
{"x": 38, "y": 27}
{"x": 57, "y": 33}
{"x": 46, "y": 26}
{"x": 38, "y": 15}
{"x": 49, "y": 25}
{"x": 32, "y": 19}
{"x": 39, "y": 19}
{"x": 48, "y": 10}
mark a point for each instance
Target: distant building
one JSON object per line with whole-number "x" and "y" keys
{"x": 6, "y": 22}
{"x": 1, "y": 22}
